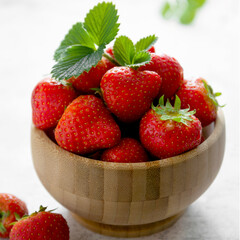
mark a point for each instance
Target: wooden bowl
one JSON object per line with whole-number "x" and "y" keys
{"x": 128, "y": 199}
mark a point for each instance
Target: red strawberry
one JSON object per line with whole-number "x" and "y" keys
{"x": 10, "y": 207}
{"x": 129, "y": 93}
{"x": 87, "y": 126}
{"x": 170, "y": 71}
{"x": 200, "y": 97}
{"x": 49, "y": 100}
{"x": 109, "y": 51}
{"x": 202, "y": 139}
{"x": 41, "y": 225}
{"x": 109, "y": 64}
{"x": 167, "y": 131}
{"x": 91, "y": 79}
{"x": 151, "y": 49}
{"x": 128, "y": 150}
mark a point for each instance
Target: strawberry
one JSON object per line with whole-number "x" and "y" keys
{"x": 198, "y": 95}
{"x": 108, "y": 63}
{"x": 87, "y": 126}
{"x": 49, "y": 99}
{"x": 109, "y": 52}
{"x": 167, "y": 131}
{"x": 10, "y": 207}
{"x": 41, "y": 225}
{"x": 129, "y": 93}
{"x": 87, "y": 80}
{"x": 170, "y": 71}
{"x": 128, "y": 150}
{"x": 151, "y": 49}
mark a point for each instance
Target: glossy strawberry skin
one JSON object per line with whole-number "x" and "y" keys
{"x": 43, "y": 225}
{"x": 49, "y": 100}
{"x": 129, "y": 93}
{"x": 87, "y": 126}
{"x": 194, "y": 95}
{"x": 128, "y": 150}
{"x": 10, "y": 203}
{"x": 170, "y": 71}
{"x": 168, "y": 138}
{"x": 91, "y": 79}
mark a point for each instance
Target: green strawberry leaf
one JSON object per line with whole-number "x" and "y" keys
{"x": 196, "y": 3}
{"x": 188, "y": 15}
{"x": 76, "y": 59}
{"x": 141, "y": 58}
{"x": 183, "y": 10}
{"x": 17, "y": 216}
{"x": 167, "y": 10}
{"x": 126, "y": 54}
{"x": 101, "y": 23}
{"x": 124, "y": 50}
{"x": 3, "y": 215}
{"x": 83, "y": 46}
{"x": 76, "y": 35}
{"x": 175, "y": 113}
{"x": 2, "y": 228}
{"x": 145, "y": 43}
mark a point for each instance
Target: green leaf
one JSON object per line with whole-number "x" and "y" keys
{"x": 145, "y": 43}
{"x": 167, "y": 11}
{"x": 177, "y": 103}
{"x": 139, "y": 59}
{"x": 217, "y": 94}
{"x": 188, "y": 15}
{"x": 101, "y": 23}
{"x": 196, "y": 3}
{"x": 76, "y": 59}
{"x": 183, "y": 10}
{"x": 77, "y": 35}
{"x": 124, "y": 50}
{"x": 17, "y": 216}
{"x": 211, "y": 94}
{"x": 2, "y": 228}
{"x": 161, "y": 101}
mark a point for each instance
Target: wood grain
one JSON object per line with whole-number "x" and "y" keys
{"x": 128, "y": 194}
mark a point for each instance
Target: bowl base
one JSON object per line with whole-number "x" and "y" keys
{"x": 128, "y": 231}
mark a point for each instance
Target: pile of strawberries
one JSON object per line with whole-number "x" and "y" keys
{"x": 120, "y": 114}
{"x": 123, "y": 103}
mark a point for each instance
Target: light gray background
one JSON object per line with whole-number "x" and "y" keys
{"x": 30, "y": 31}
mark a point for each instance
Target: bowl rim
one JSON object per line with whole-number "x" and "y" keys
{"x": 217, "y": 131}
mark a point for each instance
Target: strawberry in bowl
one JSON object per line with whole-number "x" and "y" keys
{"x": 167, "y": 131}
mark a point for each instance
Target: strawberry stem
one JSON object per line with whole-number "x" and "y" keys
{"x": 175, "y": 113}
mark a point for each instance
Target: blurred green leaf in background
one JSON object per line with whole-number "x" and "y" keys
{"x": 183, "y": 10}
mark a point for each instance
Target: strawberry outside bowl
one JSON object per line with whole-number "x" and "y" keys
{"x": 128, "y": 199}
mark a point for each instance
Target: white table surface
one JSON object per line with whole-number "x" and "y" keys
{"x": 30, "y": 31}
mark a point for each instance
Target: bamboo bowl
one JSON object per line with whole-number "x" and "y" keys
{"x": 128, "y": 200}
